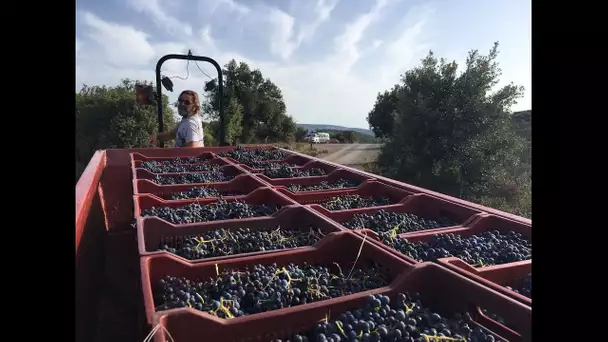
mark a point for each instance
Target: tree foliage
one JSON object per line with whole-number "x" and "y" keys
{"x": 450, "y": 132}
{"x": 382, "y": 117}
{"x": 300, "y": 133}
{"x": 109, "y": 117}
{"x": 255, "y": 110}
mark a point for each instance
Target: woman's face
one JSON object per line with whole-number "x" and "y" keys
{"x": 185, "y": 105}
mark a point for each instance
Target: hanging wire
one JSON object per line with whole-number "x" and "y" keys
{"x": 202, "y": 71}
{"x": 187, "y": 72}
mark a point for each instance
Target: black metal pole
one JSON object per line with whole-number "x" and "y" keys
{"x": 220, "y": 85}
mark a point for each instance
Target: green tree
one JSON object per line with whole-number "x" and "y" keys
{"x": 381, "y": 118}
{"x": 261, "y": 101}
{"x": 211, "y": 133}
{"x": 109, "y": 117}
{"x": 453, "y": 134}
{"x": 234, "y": 116}
{"x": 300, "y": 133}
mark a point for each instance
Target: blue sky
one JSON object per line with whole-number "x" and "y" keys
{"x": 329, "y": 57}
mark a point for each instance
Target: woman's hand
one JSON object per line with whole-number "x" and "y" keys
{"x": 152, "y": 140}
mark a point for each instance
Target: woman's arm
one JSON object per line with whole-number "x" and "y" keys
{"x": 164, "y": 136}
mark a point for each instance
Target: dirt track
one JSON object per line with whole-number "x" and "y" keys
{"x": 352, "y": 155}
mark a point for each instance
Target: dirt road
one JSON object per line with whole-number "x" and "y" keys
{"x": 352, "y": 155}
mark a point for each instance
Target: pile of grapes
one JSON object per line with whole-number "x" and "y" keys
{"x": 261, "y": 288}
{"x": 345, "y": 202}
{"x": 203, "y": 192}
{"x": 221, "y": 242}
{"x": 397, "y": 223}
{"x": 251, "y": 157}
{"x": 487, "y": 248}
{"x": 178, "y": 161}
{"x": 218, "y": 210}
{"x": 192, "y": 178}
{"x": 524, "y": 286}
{"x": 270, "y": 165}
{"x": 406, "y": 320}
{"x": 285, "y": 171}
{"x": 325, "y": 185}
{"x": 159, "y": 167}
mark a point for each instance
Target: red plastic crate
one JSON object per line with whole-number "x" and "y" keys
{"x": 242, "y": 184}
{"x": 422, "y": 205}
{"x": 136, "y": 156}
{"x": 290, "y": 160}
{"x": 228, "y": 170}
{"x": 313, "y": 164}
{"x": 331, "y": 177}
{"x": 341, "y": 247}
{"x": 370, "y": 188}
{"x": 483, "y": 223}
{"x": 498, "y": 277}
{"x": 259, "y": 196}
{"x": 152, "y": 229}
{"x": 436, "y": 285}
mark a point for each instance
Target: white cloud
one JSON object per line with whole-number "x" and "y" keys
{"x": 115, "y": 44}
{"x": 280, "y": 42}
{"x": 211, "y": 6}
{"x": 333, "y": 89}
{"x": 153, "y": 9}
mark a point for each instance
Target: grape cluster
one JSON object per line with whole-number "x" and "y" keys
{"x": 487, "y": 248}
{"x": 285, "y": 171}
{"x": 345, "y": 202}
{"x": 269, "y": 165}
{"x": 221, "y": 242}
{"x": 325, "y": 185}
{"x": 252, "y": 156}
{"x": 203, "y": 192}
{"x": 159, "y": 167}
{"x": 191, "y": 178}
{"x": 396, "y": 223}
{"x": 261, "y": 288}
{"x": 179, "y": 161}
{"x": 218, "y": 210}
{"x": 404, "y": 321}
{"x": 524, "y": 286}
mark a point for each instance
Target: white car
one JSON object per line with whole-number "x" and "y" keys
{"x": 317, "y": 138}
{"x": 313, "y": 138}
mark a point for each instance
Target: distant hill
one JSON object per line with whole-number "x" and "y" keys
{"x": 314, "y": 127}
{"x": 522, "y": 122}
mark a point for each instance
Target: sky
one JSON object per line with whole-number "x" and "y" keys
{"x": 329, "y": 57}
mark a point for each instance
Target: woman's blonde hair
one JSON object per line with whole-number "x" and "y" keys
{"x": 194, "y": 95}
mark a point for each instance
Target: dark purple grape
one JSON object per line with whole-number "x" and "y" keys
{"x": 284, "y": 171}
{"x": 487, "y": 248}
{"x": 221, "y": 242}
{"x": 261, "y": 288}
{"x": 405, "y": 319}
{"x": 397, "y": 223}
{"x": 218, "y": 210}
{"x": 344, "y": 202}
{"x": 325, "y": 185}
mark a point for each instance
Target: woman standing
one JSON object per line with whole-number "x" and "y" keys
{"x": 189, "y": 131}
